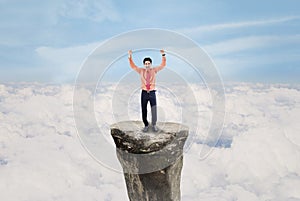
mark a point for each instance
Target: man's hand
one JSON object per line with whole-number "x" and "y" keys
{"x": 129, "y": 53}
{"x": 162, "y": 51}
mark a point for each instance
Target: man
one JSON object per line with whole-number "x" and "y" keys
{"x": 147, "y": 75}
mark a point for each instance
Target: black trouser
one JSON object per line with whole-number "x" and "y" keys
{"x": 145, "y": 97}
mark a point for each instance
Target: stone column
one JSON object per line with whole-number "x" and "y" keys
{"x": 152, "y": 162}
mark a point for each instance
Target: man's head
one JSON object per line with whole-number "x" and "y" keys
{"x": 147, "y": 62}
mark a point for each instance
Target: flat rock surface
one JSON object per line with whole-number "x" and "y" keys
{"x": 128, "y": 135}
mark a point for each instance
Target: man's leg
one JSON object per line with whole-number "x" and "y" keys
{"x": 144, "y": 101}
{"x": 152, "y": 98}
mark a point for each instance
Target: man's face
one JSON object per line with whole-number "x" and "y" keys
{"x": 147, "y": 64}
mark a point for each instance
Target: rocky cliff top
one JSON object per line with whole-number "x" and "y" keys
{"x": 128, "y": 136}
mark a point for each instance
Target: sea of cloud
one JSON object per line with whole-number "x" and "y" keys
{"x": 257, "y": 157}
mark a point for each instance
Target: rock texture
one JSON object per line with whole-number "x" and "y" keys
{"x": 152, "y": 162}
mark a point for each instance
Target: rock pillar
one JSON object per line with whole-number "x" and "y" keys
{"x": 152, "y": 161}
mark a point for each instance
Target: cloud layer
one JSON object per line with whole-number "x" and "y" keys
{"x": 257, "y": 157}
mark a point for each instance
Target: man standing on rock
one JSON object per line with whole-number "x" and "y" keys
{"x": 147, "y": 75}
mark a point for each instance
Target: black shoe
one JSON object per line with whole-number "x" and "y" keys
{"x": 145, "y": 129}
{"x": 154, "y": 128}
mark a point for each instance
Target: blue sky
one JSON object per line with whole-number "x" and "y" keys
{"x": 249, "y": 41}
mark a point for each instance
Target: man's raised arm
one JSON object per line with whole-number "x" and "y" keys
{"x": 131, "y": 63}
{"x": 163, "y": 61}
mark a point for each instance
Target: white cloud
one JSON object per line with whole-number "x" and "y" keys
{"x": 71, "y": 53}
{"x": 235, "y": 55}
{"x": 252, "y": 42}
{"x": 233, "y": 25}
{"x": 41, "y": 157}
{"x": 65, "y": 62}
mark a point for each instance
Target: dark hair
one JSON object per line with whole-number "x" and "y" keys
{"x": 147, "y": 59}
